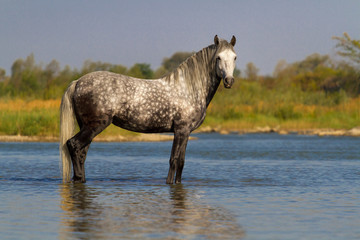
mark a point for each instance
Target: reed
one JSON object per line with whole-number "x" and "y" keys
{"x": 250, "y": 105}
{"x": 37, "y": 118}
{"x": 29, "y": 118}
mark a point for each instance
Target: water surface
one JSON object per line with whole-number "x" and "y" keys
{"x": 257, "y": 186}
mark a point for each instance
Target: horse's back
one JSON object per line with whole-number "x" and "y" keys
{"x": 107, "y": 88}
{"x": 134, "y": 104}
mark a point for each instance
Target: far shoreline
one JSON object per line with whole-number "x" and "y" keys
{"x": 354, "y": 132}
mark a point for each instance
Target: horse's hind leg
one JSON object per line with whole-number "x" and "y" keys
{"x": 78, "y": 157}
{"x": 79, "y": 145}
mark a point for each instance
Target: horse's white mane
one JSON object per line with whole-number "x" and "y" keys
{"x": 199, "y": 67}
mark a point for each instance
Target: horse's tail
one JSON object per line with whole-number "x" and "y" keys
{"x": 67, "y": 127}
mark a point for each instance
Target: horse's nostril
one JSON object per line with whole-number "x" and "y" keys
{"x": 229, "y": 80}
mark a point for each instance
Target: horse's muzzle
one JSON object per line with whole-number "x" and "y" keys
{"x": 228, "y": 82}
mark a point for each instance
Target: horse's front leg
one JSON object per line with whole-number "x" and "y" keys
{"x": 177, "y": 159}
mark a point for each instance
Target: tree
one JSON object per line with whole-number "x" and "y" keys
{"x": 50, "y": 73}
{"x": 312, "y": 62}
{"x": 141, "y": 70}
{"x": 2, "y": 75}
{"x": 118, "y": 69}
{"x": 160, "y": 72}
{"x": 237, "y": 73}
{"x": 251, "y": 71}
{"x": 90, "y": 66}
{"x": 26, "y": 77}
{"x": 280, "y": 68}
{"x": 350, "y": 48}
{"x": 16, "y": 69}
{"x": 175, "y": 60}
{"x": 52, "y": 69}
{"x": 3, "y": 82}
{"x": 66, "y": 75}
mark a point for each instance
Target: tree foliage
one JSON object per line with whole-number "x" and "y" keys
{"x": 251, "y": 71}
{"x": 29, "y": 79}
{"x": 316, "y": 73}
{"x": 175, "y": 60}
{"x": 141, "y": 70}
{"x": 349, "y": 48}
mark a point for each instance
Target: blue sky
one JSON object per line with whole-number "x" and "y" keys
{"x": 135, "y": 31}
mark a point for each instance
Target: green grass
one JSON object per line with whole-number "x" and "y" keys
{"x": 250, "y": 105}
{"x": 34, "y": 123}
{"x": 38, "y": 118}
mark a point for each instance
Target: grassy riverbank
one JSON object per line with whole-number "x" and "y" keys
{"x": 247, "y": 106}
{"x": 38, "y": 118}
{"x": 250, "y": 105}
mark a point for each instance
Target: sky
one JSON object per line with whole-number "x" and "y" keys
{"x": 143, "y": 31}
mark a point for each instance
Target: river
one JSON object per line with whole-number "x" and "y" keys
{"x": 255, "y": 186}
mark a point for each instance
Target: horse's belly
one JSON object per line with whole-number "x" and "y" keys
{"x": 145, "y": 124}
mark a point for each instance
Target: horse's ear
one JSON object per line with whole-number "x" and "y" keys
{"x": 216, "y": 40}
{"x": 233, "y": 40}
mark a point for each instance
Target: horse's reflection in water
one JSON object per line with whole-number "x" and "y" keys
{"x": 158, "y": 212}
{"x": 80, "y": 213}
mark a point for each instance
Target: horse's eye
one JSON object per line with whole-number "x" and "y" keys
{"x": 235, "y": 58}
{"x": 218, "y": 58}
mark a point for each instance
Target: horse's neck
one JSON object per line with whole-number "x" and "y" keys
{"x": 204, "y": 78}
{"x": 212, "y": 89}
{"x": 197, "y": 76}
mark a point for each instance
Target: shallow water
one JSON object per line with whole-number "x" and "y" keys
{"x": 259, "y": 186}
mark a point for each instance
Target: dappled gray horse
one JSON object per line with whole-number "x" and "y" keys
{"x": 175, "y": 103}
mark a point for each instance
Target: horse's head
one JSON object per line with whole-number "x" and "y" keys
{"x": 225, "y": 60}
